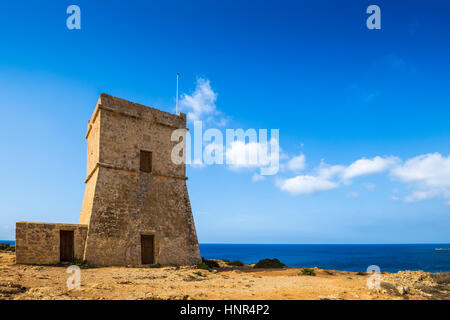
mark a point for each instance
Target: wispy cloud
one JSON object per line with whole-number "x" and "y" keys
{"x": 368, "y": 166}
{"x": 428, "y": 173}
{"x": 306, "y": 184}
{"x": 430, "y": 170}
{"x": 241, "y": 154}
{"x": 257, "y": 177}
{"x": 201, "y": 104}
{"x": 329, "y": 177}
{"x": 297, "y": 163}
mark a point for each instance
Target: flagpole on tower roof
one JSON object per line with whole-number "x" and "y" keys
{"x": 176, "y": 106}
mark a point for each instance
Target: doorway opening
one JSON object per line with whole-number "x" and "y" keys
{"x": 66, "y": 246}
{"x": 147, "y": 249}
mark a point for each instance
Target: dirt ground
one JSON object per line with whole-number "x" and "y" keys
{"x": 50, "y": 282}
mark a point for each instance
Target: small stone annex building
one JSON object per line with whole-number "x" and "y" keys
{"x": 136, "y": 207}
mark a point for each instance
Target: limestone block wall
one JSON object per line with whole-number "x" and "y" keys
{"x": 112, "y": 218}
{"x": 130, "y": 204}
{"x": 38, "y": 243}
{"x": 126, "y": 128}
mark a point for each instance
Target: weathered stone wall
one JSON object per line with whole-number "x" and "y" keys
{"x": 38, "y": 243}
{"x": 122, "y": 203}
{"x": 93, "y": 158}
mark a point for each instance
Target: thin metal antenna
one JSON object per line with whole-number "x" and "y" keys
{"x": 176, "y": 106}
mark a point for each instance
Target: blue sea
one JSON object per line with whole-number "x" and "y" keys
{"x": 349, "y": 257}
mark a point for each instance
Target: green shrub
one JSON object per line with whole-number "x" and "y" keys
{"x": 156, "y": 265}
{"x": 269, "y": 263}
{"x": 7, "y": 247}
{"x": 198, "y": 273}
{"x": 235, "y": 263}
{"x": 83, "y": 264}
{"x": 210, "y": 263}
{"x": 203, "y": 266}
{"x": 308, "y": 272}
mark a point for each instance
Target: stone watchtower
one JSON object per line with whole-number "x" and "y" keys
{"x": 136, "y": 207}
{"x": 136, "y": 203}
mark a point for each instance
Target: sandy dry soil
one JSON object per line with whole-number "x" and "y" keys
{"x": 49, "y": 282}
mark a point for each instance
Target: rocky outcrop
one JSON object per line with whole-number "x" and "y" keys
{"x": 429, "y": 285}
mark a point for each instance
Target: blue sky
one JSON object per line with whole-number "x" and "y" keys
{"x": 370, "y": 106}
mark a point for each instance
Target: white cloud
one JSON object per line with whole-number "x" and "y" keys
{"x": 241, "y": 154}
{"x": 332, "y": 176}
{"x": 424, "y": 194}
{"x": 283, "y": 156}
{"x": 358, "y": 168}
{"x": 429, "y": 174}
{"x": 297, "y": 163}
{"x": 329, "y": 171}
{"x": 201, "y": 105}
{"x": 430, "y": 170}
{"x": 368, "y": 166}
{"x": 419, "y": 195}
{"x": 306, "y": 184}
